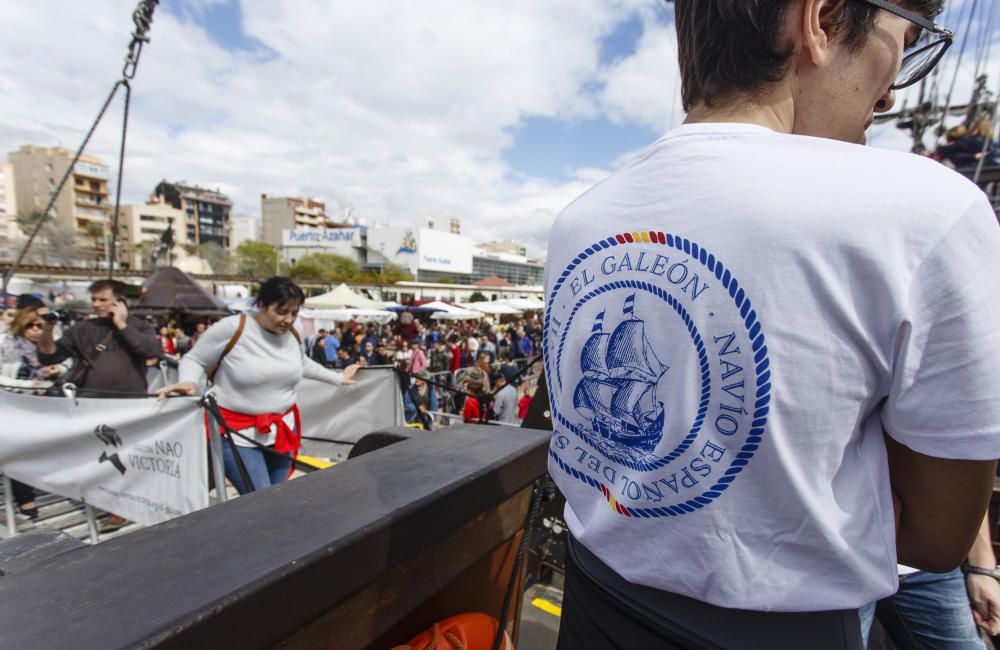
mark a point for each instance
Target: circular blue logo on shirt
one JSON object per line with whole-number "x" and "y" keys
{"x": 658, "y": 373}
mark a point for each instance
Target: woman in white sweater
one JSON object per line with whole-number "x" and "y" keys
{"x": 254, "y": 382}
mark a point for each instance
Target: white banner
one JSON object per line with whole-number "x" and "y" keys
{"x": 143, "y": 459}
{"x": 444, "y": 251}
{"x": 335, "y": 417}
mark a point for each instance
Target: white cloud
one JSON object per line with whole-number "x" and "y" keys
{"x": 397, "y": 109}
{"x": 644, "y": 88}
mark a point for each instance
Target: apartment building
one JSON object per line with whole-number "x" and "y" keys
{"x": 10, "y": 235}
{"x": 206, "y": 212}
{"x": 82, "y": 205}
{"x": 141, "y": 226}
{"x": 243, "y": 227}
{"x": 280, "y": 213}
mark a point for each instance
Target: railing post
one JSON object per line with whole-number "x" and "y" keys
{"x": 88, "y": 512}
{"x": 215, "y": 452}
{"x": 8, "y": 502}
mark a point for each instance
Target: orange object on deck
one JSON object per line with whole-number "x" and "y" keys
{"x": 460, "y": 632}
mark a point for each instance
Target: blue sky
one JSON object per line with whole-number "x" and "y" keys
{"x": 542, "y": 146}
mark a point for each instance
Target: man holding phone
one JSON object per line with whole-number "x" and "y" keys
{"x": 110, "y": 351}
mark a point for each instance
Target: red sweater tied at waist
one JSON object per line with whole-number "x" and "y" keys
{"x": 287, "y": 439}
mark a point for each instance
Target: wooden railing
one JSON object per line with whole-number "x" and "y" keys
{"x": 363, "y": 555}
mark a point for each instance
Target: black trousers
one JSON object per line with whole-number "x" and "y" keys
{"x": 612, "y": 613}
{"x": 22, "y": 493}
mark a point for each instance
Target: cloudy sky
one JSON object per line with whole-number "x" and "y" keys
{"x": 499, "y": 113}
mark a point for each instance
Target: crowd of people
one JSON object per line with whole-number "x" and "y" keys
{"x": 469, "y": 370}
{"x": 446, "y": 367}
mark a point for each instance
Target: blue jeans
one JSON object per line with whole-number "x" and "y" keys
{"x": 264, "y": 469}
{"x": 930, "y": 610}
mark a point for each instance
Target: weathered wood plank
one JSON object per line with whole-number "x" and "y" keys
{"x": 250, "y": 572}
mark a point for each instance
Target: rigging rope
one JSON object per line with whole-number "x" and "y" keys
{"x": 118, "y": 187}
{"x": 986, "y": 140}
{"x": 142, "y": 18}
{"x": 984, "y": 40}
{"x": 958, "y": 67}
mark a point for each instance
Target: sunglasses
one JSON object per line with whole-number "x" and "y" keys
{"x": 32, "y": 326}
{"x": 918, "y": 62}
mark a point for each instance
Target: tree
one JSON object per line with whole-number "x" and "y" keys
{"x": 309, "y": 269}
{"x": 55, "y": 245}
{"x": 390, "y": 274}
{"x": 478, "y": 297}
{"x": 95, "y": 232}
{"x": 217, "y": 257}
{"x": 257, "y": 259}
{"x": 395, "y": 273}
{"x": 143, "y": 250}
{"x": 60, "y": 248}
{"x": 325, "y": 267}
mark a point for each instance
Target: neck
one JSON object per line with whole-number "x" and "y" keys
{"x": 773, "y": 110}
{"x": 256, "y": 317}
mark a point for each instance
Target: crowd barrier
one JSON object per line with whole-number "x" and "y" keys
{"x": 147, "y": 459}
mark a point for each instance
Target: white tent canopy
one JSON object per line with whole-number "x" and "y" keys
{"x": 460, "y": 314}
{"x": 524, "y": 304}
{"x": 496, "y": 308}
{"x": 444, "y": 311}
{"x": 325, "y": 318}
{"x": 341, "y": 298}
{"x": 438, "y": 305}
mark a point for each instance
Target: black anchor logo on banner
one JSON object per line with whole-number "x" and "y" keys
{"x": 109, "y": 436}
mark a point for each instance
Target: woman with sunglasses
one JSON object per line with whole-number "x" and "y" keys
{"x": 19, "y": 359}
{"x": 19, "y": 353}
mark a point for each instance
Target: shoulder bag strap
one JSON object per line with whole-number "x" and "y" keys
{"x": 85, "y": 363}
{"x": 229, "y": 346}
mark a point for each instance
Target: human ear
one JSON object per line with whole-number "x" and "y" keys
{"x": 819, "y": 23}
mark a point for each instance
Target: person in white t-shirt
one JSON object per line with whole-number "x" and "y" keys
{"x": 255, "y": 381}
{"x": 734, "y": 318}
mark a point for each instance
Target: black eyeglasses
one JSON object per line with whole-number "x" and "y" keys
{"x": 920, "y": 61}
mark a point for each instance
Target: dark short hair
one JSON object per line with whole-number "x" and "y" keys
{"x": 728, "y": 47}
{"x": 279, "y": 291}
{"x": 28, "y": 301}
{"x": 114, "y": 286}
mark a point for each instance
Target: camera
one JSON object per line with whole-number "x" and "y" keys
{"x": 57, "y": 315}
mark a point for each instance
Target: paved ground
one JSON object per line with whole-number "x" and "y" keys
{"x": 540, "y": 611}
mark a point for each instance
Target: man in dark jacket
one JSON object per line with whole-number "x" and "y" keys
{"x": 110, "y": 351}
{"x": 113, "y": 347}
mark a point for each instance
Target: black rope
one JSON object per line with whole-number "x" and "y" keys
{"x": 986, "y": 141}
{"x": 212, "y": 407}
{"x": 538, "y": 491}
{"x": 958, "y": 67}
{"x": 80, "y": 391}
{"x": 118, "y": 187}
{"x": 58, "y": 190}
{"x": 142, "y": 17}
{"x": 209, "y": 404}
{"x": 485, "y": 399}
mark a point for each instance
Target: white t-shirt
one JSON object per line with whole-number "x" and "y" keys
{"x": 257, "y": 376}
{"x": 729, "y": 321}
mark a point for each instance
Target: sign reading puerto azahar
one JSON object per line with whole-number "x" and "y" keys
{"x": 658, "y": 374}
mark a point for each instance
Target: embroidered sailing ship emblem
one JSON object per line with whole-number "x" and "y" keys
{"x": 620, "y": 374}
